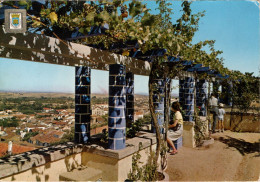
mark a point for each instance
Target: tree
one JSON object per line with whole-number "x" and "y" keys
{"x": 27, "y": 136}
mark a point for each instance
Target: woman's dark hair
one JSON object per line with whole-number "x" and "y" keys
{"x": 176, "y": 106}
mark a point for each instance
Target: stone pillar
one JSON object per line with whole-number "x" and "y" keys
{"x": 129, "y": 98}
{"x": 82, "y": 104}
{"x": 181, "y": 93}
{"x": 201, "y": 97}
{"x": 158, "y": 102}
{"x": 117, "y": 107}
{"x": 189, "y": 86}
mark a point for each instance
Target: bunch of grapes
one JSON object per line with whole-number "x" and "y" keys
{"x": 99, "y": 10}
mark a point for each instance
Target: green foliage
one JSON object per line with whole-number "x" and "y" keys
{"x": 146, "y": 172}
{"x": 99, "y": 100}
{"x": 9, "y": 122}
{"x": 104, "y": 136}
{"x": 200, "y": 130}
{"x": 134, "y": 128}
{"x": 27, "y": 136}
{"x": 245, "y": 89}
{"x": 32, "y": 105}
{"x": 17, "y": 132}
{"x": 68, "y": 136}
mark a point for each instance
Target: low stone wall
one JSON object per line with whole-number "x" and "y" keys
{"x": 245, "y": 122}
{"x": 48, "y": 164}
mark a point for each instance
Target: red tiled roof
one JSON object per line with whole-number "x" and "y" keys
{"x": 60, "y": 123}
{"x": 17, "y": 149}
{"x": 45, "y": 138}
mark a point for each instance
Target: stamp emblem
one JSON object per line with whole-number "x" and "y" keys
{"x": 15, "y": 20}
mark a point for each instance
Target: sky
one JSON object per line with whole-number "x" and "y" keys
{"x": 233, "y": 24}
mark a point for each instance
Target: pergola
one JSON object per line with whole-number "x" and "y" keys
{"x": 40, "y": 48}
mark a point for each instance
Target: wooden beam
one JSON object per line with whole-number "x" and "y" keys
{"x": 40, "y": 48}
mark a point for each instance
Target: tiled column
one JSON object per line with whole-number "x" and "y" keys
{"x": 158, "y": 102}
{"x": 82, "y": 104}
{"x": 181, "y": 93}
{"x": 189, "y": 87}
{"x": 201, "y": 96}
{"x": 117, "y": 106}
{"x": 129, "y": 98}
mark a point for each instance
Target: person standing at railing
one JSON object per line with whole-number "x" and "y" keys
{"x": 213, "y": 103}
{"x": 221, "y": 113}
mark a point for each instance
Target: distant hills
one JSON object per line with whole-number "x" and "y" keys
{"x": 58, "y": 94}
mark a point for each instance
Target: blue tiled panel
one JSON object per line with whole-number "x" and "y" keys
{"x": 129, "y": 104}
{"x": 85, "y": 118}
{"x": 81, "y": 137}
{"x": 85, "y": 99}
{"x": 117, "y": 69}
{"x": 82, "y": 127}
{"x": 82, "y": 90}
{"x": 82, "y": 118}
{"x": 116, "y": 122}
{"x": 83, "y": 80}
{"x": 116, "y": 144}
{"x": 116, "y": 133}
{"x": 117, "y": 90}
{"x": 81, "y": 109}
{"x": 82, "y": 104}
{"x": 158, "y": 102}
{"x": 117, "y": 101}
{"x": 116, "y": 112}
{"x": 117, "y": 107}
{"x": 83, "y": 71}
{"x": 201, "y": 96}
{"x": 117, "y": 80}
{"x": 188, "y": 101}
{"x": 129, "y": 98}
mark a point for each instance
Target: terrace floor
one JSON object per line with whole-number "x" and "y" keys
{"x": 233, "y": 157}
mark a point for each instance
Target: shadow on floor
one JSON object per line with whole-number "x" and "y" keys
{"x": 242, "y": 146}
